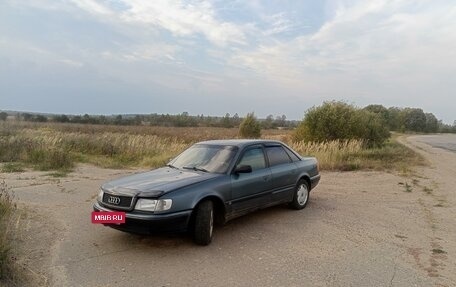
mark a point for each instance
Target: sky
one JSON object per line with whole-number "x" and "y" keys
{"x": 226, "y": 56}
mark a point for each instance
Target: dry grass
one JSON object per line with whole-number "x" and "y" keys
{"x": 7, "y": 208}
{"x": 185, "y": 134}
{"x": 352, "y": 155}
{"x": 48, "y": 149}
{"x": 332, "y": 155}
{"x": 54, "y": 146}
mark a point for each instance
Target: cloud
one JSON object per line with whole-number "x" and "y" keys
{"x": 375, "y": 41}
{"x": 157, "y": 52}
{"x": 72, "y": 63}
{"x": 181, "y": 18}
{"x": 309, "y": 51}
{"x": 279, "y": 24}
{"x": 92, "y": 6}
{"x": 184, "y": 20}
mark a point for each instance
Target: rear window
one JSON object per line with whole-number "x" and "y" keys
{"x": 277, "y": 155}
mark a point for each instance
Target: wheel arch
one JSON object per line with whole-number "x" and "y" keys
{"x": 219, "y": 208}
{"x": 306, "y": 177}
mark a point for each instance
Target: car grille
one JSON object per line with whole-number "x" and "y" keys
{"x": 120, "y": 201}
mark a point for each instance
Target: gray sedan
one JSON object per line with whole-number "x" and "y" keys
{"x": 211, "y": 182}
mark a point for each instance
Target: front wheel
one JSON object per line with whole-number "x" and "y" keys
{"x": 301, "y": 195}
{"x": 204, "y": 223}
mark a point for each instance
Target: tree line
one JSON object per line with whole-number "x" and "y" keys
{"x": 371, "y": 124}
{"x": 167, "y": 120}
{"x": 331, "y": 116}
{"x": 407, "y": 119}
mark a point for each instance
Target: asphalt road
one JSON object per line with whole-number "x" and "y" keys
{"x": 359, "y": 229}
{"x": 447, "y": 141}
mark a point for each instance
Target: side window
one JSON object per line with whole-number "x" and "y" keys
{"x": 292, "y": 155}
{"x": 277, "y": 155}
{"x": 253, "y": 157}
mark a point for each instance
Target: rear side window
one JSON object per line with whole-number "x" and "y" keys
{"x": 277, "y": 155}
{"x": 292, "y": 155}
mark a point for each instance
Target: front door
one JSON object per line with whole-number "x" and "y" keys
{"x": 251, "y": 190}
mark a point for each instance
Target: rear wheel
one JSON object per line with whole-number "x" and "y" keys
{"x": 301, "y": 195}
{"x": 204, "y": 223}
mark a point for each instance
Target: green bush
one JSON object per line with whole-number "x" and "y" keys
{"x": 250, "y": 127}
{"x": 340, "y": 121}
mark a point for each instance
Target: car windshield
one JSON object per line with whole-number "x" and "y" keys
{"x": 206, "y": 158}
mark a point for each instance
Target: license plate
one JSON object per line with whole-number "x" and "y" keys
{"x": 103, "y": 217}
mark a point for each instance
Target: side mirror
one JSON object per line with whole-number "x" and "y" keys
{"x": 243, "y": 169}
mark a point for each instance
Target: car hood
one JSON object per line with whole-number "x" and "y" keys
{"x": 156, "y": 182}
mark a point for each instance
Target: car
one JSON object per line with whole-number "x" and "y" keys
{"x": 210, "y": 183}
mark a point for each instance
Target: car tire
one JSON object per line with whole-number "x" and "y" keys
{"x": 301, "y": 195}
{"x": 204, "y": 223}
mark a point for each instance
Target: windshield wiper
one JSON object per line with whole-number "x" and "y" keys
{"x": 195, "y": 168}
{"x": 171, "y": 166}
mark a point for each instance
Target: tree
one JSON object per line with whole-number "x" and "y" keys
{"x": 414, "y": 119}
{"x": 268, "y": 122}
{"x": 381, "y": 111}
{"x": 341, "y": 121}
{"x": 432, "y": 123}
{"x": 184, "y": 120}
{"x": 395, "y": 120}
{"x": 236, "y": 120}
{"x": 104, "y": 120}
{"x": 281, "y": 121}
{"x": 40, "y": 118}
{"x": 85, "y": 119}
{"x": 27, "y": 117}
{"x": 3, "y": 116}
{"x": 250, "y": 127}
{"x": 137, "y": 120}
{"x": 118, "y": 120}
{"x": 226, "y": 121}
{"x": 370, "y": 128}
{"x": 60, "y": 119}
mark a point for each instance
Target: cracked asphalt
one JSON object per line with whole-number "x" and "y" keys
{"x": 359, "y": 229}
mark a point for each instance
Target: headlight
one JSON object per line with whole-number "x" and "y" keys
{"x": 163, "y": 204}
{"x": 153, "y": 204}
{"x": 100, "y": 196}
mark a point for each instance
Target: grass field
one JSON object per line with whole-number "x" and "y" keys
{"x": 54, "y": 146}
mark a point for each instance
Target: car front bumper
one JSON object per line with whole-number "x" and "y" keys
{"x": 143, "y": 223}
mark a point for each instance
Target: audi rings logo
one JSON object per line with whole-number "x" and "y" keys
{"x": 114, "y": 200}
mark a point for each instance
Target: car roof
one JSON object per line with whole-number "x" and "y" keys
{"x": 239, "y": 142}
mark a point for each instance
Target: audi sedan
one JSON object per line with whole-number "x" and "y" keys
{"x": 210, "y": 182}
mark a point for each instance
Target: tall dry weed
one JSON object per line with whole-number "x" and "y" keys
{"x": 332, "y": 155}
{"x": 7, "y": 207}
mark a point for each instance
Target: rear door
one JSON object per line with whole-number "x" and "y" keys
{"x": 251, "y": 190}
{"x": 284, "y": 173}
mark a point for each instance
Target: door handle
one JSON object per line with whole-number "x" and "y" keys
{"x": 266, "y": 177}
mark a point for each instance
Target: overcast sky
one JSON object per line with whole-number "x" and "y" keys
{"x": 214, "y": 57}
